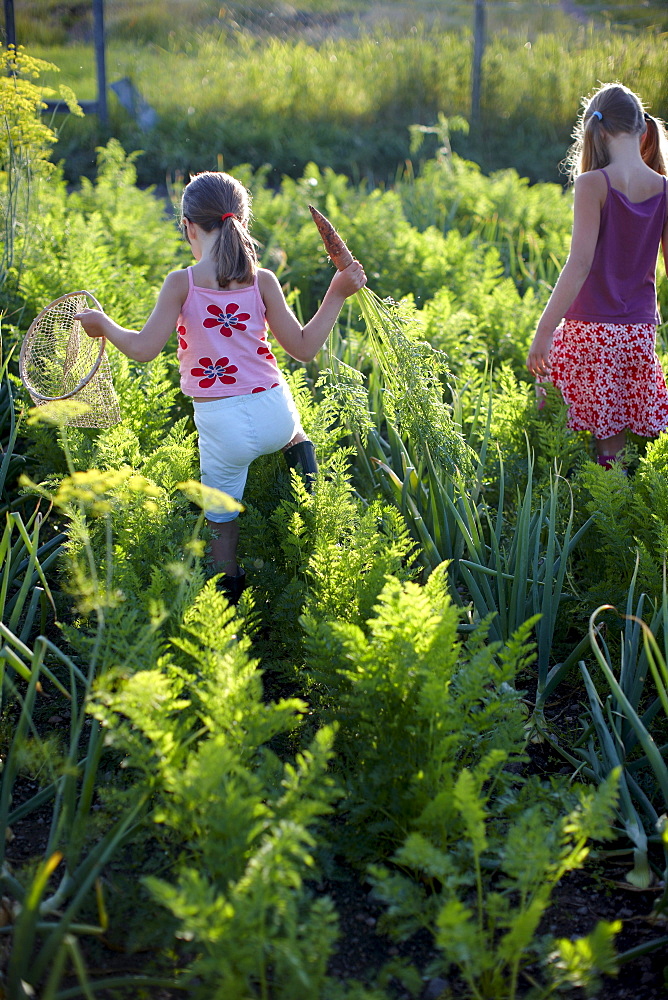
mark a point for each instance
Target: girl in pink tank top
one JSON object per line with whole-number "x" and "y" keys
{"x": 596, "y": 338}
{"x": 222, "y": 308}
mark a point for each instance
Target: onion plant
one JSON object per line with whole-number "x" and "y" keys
{"x": 623, "y": 707}
{"x": 49, "y": 901}
{"x": 508, "y": 570}
{"x": 24, "y": 558}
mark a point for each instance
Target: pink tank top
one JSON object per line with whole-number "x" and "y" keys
{"x": 621, "y": 285}
{"x": 223, "y": 349}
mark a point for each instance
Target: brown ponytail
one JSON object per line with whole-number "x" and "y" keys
{"x": 215, "y": 200}
{"x": 234, "y": 253}
{"x": 653, "y": 144}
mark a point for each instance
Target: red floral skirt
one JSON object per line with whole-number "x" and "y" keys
{"x": 610, "y": 377}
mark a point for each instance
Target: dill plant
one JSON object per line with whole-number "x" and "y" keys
{"x": 25, "y": 142}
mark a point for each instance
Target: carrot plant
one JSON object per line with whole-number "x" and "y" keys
{"x": 197, "y": 733}
{"x": 430, "y": 732}
{"x": 478, "y": 872}
{"x": 413, "y": 706}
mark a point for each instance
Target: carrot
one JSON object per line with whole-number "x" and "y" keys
{"x": 339, "y": 253}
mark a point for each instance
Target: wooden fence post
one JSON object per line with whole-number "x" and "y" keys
{"x": 478, "y": 49}
{"x": 10, "y": 27}
{"x": 98, "y": 35}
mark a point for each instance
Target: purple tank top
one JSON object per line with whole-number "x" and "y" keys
{"x": 621, "y": 285}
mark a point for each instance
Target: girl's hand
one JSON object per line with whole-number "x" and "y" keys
{"x": 303, "y": 343}
{"x": 146, "y": 344}
{"x": 348, "y": 281}
{"x": 538, "y": 359}
{"x": 93, "y": 321}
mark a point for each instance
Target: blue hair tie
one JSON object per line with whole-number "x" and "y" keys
{"x": 597, "y": 114}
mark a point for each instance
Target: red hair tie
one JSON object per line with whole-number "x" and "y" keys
{"x": 228, "y": 215}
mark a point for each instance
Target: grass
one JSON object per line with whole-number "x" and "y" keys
{"x": 337, "y": 83}
{"x": 349, "y": 103}
{"x": 49, "y": 22}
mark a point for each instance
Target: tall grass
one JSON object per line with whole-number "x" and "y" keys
{"x": 350, "y": 102}
{"x": 46, "y": 21}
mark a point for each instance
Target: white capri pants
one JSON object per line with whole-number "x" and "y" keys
{"x": 234, "y": 431}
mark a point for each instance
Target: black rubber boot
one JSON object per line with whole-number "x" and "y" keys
{"x": 302, "y": 456}
{"x": 233, "y": 586}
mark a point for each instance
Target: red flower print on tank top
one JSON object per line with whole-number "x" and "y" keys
{"x": 228, "y": 319}
{"x": 263, "y": 388}
{"x": 210, "y": 371}
{"x": 265, "y": 351}
{"x": 181, "y": 333}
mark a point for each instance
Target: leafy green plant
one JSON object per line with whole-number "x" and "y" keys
{"x": 478, "y": 874}
{"x": 619, "y": 734}
{"x": 197, "y": 733}
{"x": 25, "y": 141}
{"x": 412, "y": 705}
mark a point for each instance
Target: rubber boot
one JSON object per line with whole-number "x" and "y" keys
{"x": 233, "y": 586}
{"x": 302, "y": 456}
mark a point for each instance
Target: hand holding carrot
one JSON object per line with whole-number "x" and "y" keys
{"x": 350, "y": 276}
{"x": 348, "y": 281}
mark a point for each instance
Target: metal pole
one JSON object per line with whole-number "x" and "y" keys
{"x": 478, "y": 49}
{"x": 10, "y": 27}
{"x": 98, "y": 34}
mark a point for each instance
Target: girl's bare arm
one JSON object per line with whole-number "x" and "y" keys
{"x": 303, "y": 343}
{"x": 590, "y": 193}
{"x": 144, "y": 344}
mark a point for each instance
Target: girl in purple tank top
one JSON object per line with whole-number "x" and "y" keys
{"x": 222, "y": 309}
{"x": 596, "y": 338}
